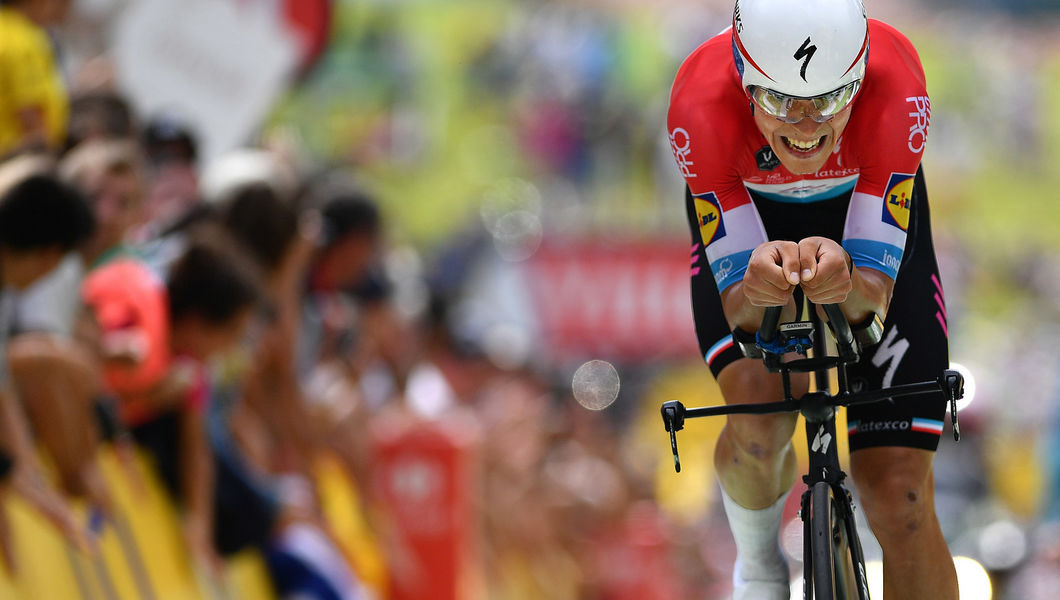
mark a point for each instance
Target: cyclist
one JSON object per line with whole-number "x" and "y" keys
{"x": 799, "y": 132}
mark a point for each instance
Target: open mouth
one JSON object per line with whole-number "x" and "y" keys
{"x": 803, "y": 147}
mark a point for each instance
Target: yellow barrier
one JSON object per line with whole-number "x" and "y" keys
{"x": 141, "y": 551}
{"x": 344, "y": 509}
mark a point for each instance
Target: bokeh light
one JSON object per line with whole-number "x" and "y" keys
{"x": 596, "y": 384}
{"x": 1002, "y": 545}
{"x": 973, "y": 579}
{"x": 969, "y": 385}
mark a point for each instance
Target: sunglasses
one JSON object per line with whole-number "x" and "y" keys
{"x": 792, "y": 109}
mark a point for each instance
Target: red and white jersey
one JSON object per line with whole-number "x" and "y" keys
{"x": 722, "y": 154}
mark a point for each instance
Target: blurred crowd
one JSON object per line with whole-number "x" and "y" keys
{"x": 243, "y": 320}
{"x": 236, "y": 327}
{"x": 235, "y": 322}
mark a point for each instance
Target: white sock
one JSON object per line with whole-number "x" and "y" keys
{"x": 757, "y": 535}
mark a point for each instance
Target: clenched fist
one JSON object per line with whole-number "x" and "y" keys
{"x": 818, "y": 264}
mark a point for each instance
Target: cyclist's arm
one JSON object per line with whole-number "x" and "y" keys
{"x": 776, "y": 266}
{"x": 702, "y": 282}
{"x": 769, "y": 281}
{"x": 829, "y": 275}
{"x": 870, "y": 293}
{"x": 739, "y": 312}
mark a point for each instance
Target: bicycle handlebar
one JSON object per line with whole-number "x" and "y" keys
{"x": 844, "y": 338}
{"x": 950, "y": 384}
{"x": 768, "y": 331}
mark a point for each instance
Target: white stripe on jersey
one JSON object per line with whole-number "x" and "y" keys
{"x": 729, "y": 254}
{"x": 866, "y": 228}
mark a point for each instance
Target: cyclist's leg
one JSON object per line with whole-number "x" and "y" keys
{"x": 754, "y": 460}
{"x": 756, "y": 467}
{"x": 892, "y": 444}
{"x": 896, "y": 488}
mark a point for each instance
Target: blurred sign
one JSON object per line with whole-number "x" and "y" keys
{"x": 627, "y": 301}
{"x": 219, "y": 64}
{"x": 424, "y": 477}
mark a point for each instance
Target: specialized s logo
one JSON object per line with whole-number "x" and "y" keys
{"x": 708, "y": 213}
{"x": 897, "y": 200}
{"x": 821, "y": 441}
{"x": 805, "y": 51}
{"x": 681, "y": 144}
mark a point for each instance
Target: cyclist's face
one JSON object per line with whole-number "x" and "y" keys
{"x": 805, "y": 146}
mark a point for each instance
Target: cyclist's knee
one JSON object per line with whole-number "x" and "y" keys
{"x": 896, "y": 492}
{"x": 747, "y": 381}
{"x": 760, "y": 436}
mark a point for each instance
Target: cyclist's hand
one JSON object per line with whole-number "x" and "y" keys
{"x": 772, "y": 272}
{"x": 824, "y": 270}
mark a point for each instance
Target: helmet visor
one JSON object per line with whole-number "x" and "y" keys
{"x": 792, "y": 109}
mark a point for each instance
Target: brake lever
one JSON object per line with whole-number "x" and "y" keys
{"x": 953, "y": 386}
{"x": 673, "y": 414}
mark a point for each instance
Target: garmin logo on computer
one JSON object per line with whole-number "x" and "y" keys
{"x": 767, "y": 159}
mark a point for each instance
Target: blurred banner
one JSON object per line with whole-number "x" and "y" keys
{"x": 218, "y": 64}
{"x": 626, "y": 301}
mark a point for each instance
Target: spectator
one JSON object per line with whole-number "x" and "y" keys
{"x": 40, "y": 219}
{"x": 209, "y": 298}
{"x": 268, "y": 226}
{"x": 34, "y": 106}
{"x": 172, "y": 183}
{"x": 348, "y": 246}
{"x": 99, "y": 115}
{"x": 110, "y": 173}
{"x": 275, "y": 424}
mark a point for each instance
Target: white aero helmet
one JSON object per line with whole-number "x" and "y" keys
{"x": 800, "y": 48}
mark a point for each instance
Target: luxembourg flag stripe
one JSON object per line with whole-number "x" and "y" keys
{"x": 927, "y": 426}
{"x": 722, "y": 345}
{"x": 806, "y": 190}
{"x": 743, "y": 232}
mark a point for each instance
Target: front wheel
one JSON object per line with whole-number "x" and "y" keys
{"x": 834, "y": 568}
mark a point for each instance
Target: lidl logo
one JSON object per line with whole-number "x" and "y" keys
{"x": 898, "y": 200}
{"x": 708, "y": 212}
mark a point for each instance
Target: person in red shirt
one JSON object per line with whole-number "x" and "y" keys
{"x": 799, "y": 132}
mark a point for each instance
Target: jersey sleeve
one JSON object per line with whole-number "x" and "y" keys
{"x": 889, "y": 140}
{"x": 721, "y": 212}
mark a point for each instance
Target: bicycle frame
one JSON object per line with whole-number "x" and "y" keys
{"x": 818, "y": 409}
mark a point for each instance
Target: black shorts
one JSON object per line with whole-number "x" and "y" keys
{"x": 915, "y": 341}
